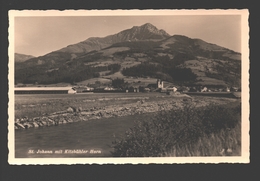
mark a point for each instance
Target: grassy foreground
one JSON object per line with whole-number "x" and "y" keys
{"x": 227, "y": 142}
{"x": 213, "y": 130}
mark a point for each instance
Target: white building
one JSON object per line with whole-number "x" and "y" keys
{"x": 159, "y": 83}
{"x": 44, "y": 90}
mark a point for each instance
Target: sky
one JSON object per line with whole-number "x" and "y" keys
{"x": 40, "y": 35}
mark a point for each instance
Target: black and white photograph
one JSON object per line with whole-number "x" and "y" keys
{"x": 128, "y": 86}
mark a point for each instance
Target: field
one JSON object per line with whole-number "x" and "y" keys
{"x": 35, "y": 105}
{"x": 120, "y": 106}
{"x": 41, "y": 104}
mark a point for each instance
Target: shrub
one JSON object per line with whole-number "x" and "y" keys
{"x": 168, "y": 129}
{"x": 216, "y": 118}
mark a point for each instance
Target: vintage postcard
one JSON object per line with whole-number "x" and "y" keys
{"x": 128, "y": 86}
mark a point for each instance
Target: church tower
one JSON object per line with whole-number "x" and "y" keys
{"x": 159, "y": 83}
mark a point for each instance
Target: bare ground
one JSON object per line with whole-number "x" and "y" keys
{"x": 107, "y": 107}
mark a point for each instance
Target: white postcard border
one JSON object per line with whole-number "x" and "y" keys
{"x": 244, "y": 158}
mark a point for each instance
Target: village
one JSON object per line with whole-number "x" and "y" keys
{"x": 159, "y": 86}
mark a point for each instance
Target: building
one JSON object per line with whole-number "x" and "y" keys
{"x": 44, "y": 90}
{"x": 205, "y": 89}
{"x": 156, "y": 86}
{"x": 159, "y": 83}
{"x": 169, "y": 89}
{"x": 146, "y": 89}
{"x": 109, "y": 88}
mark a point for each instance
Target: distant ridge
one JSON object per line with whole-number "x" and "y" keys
{"x": 22, "y": 57}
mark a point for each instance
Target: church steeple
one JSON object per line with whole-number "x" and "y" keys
{"x": 159, "y": 83}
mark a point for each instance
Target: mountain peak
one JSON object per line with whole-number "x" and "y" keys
{"x": 148, "y": 25}
{"x": 145, "y": 32}
{"x": 150, "y": 29}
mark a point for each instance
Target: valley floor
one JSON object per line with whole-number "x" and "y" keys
{"x": 100, "y": 115}
{"x": 47, "y": 110}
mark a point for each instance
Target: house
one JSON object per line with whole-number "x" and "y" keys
{"x": 228, "y": 89}
{"x": 169, "y": 89}
{"x": 146, "y": 89}
{"x": 109, "y": 88}
{"x": 205, "y": 89}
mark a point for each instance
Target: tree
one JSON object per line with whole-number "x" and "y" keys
{"x": 118, "y": 83}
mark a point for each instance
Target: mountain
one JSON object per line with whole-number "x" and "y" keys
{"x": 141, "y": 51}
{"x": 136, "y": 33}
{"x": 146, "y": 32}
{"x": 22, "y": 57}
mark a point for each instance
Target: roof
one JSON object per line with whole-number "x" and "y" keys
{"x": 41, "y": 88}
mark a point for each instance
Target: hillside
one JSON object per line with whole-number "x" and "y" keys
{"x": 212, "y": 64}
{"x": 18, "y": 57}
{"x": 141, "y": 52}
{"x": 144, "y": 32}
